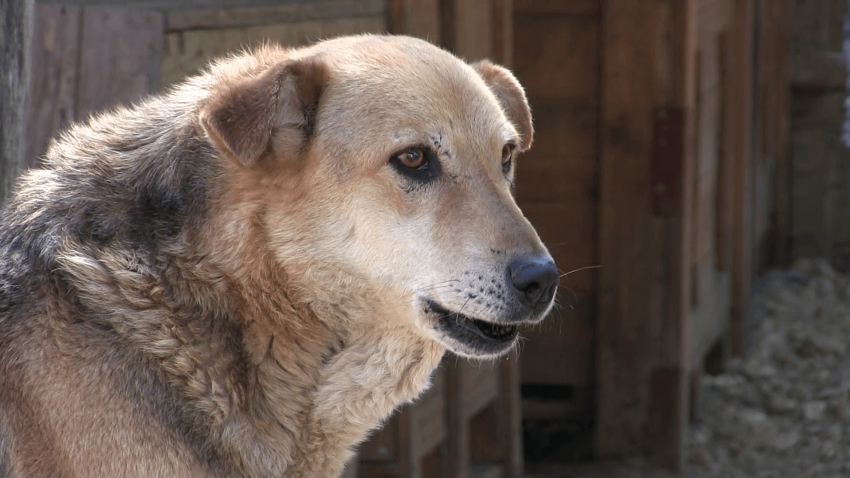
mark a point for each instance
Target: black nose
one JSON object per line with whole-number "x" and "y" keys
{"x": 535, "y": 278}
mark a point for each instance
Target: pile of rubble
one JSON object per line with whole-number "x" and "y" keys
{"x": 785, "y": 410}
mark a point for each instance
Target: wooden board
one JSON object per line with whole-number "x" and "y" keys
{"x": 481, "y": 386}
{"x": 557, "y": 180}
{"x": 741, "y": 99}
{"x": 557, "y": 7}
{"x": 119, "y": 57}
{"x": 242, "y": 16}
{"x": 85, "y": 60}
{"x": 14, "y": 55}
{"x": 53, "y": 86}
{"x": 185, "y": 52}
{"x": 648, "y": 76}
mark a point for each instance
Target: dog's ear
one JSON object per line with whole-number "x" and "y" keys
{"x": 510, "y": 94}
{"x": 275, "y": 109}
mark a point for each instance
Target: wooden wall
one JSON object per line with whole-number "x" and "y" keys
{"x": 557, "y": 59}
{"x": 660, "y": 135}
{"x": 820, "y": 180}
{"x": 17, "y": 18}
{"x": 84, "y": 60}
{"x": 660, "y": 156}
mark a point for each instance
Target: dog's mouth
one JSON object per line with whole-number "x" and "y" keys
{"x": 477, "y": 337}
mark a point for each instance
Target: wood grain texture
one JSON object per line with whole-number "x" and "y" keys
{"x": 557, "y": 182}
{"x": 473, "y": 29}
{"x": 558, "y": 7}
{"x": 741, "y": 92}
{"x": 243, "y": 16}
{"x": 119, "y": 57}
{"x": 648, "y": 67}
{"x": 16, "y": 16}
{"x": 185, "y": 52}
{"x": 419, "y": 18}
{"x": 55, "y": 75}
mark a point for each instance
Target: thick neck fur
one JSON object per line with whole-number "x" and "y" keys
{"x": 278, "y": 381}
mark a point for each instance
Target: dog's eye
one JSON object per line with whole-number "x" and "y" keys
{"x": 507, "y": 157}
{"x": 418, "y": 163}
{"x": 413, "y": 158}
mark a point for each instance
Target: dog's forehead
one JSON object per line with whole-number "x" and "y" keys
{"x": 402, "y": 82}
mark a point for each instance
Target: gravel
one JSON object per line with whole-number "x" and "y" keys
{"x": 785, "y": 410}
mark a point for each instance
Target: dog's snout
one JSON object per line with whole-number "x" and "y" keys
{"x": 534, "y": 278}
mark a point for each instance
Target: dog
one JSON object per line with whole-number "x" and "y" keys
{"x": 246, "y": 275}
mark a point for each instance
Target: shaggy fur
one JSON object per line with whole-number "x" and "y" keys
{"x": 237, "y": 278}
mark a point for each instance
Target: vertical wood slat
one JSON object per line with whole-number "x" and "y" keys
{"x": 741, "y": 102}
{"x": 53, "y": 85}
{"x": 420, "y": 18}
{"x": 17, "y": 16}
{"x": 119, "y": 57}
{"x": 648, "y": 46}
{"x": 510, "y": 407}
{"x": 723, "y": 221}
{"x": 85, "y": 60}
{"x": 780, "y": 74}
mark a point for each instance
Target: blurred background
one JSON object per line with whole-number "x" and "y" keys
{"x": 692, "y": 149}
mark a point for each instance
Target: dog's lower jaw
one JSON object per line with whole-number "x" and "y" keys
{"x": 362, "y": 385}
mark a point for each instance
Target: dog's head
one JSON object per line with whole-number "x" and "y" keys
{"x": 390, "y": 162}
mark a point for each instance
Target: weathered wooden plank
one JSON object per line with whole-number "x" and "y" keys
{"x": 723, "y": 221}
{"x": 625, "y": 145}
{"x": 503, "y": 32}
{"x": 17, "y": 17}
{"x": 779, "y": 49}
{"x": 53, "y": 84}
{"x": 170, "y": 4}
{"x": 566, "y": 72}
{"x": 473, "y": 29}
{"x": 186, "y": 52}
{"x": 741, "y": 102}
{"x": 648, "y": 67}
{"x": 557, "y": 7}
{"x": 560, "y": 351}
{"x": 119, "y": 57}
{"x": 481, "y": 386}
{"x": 510, "y": 423}
{"x": 192, "y": 19}
{"x": 419, "y": 18}
{"x": 557, "y": 182}
{"x": 458, "y": 430}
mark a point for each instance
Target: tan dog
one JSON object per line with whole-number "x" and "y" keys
{"x": 244, "y": 276}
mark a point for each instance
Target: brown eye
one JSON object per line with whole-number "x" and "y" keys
{"x": 413, "y": 158}
{"x": 507, "y": 157}
{"x": 419, "y": 163}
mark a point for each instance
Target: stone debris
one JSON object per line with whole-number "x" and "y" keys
{"x": 783, "y": 412}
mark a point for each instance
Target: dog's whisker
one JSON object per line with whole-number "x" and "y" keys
{"x": 579, "y": 270}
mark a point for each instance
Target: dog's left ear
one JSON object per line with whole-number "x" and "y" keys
{"x": 510, "y": 94}
{"x": 276, "y": 109}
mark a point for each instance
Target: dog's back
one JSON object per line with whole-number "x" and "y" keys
{"x": 118, "y": 187}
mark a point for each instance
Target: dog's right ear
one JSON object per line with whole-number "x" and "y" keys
{"x": 276, "y": 110}
{"x": 512, "y": 97}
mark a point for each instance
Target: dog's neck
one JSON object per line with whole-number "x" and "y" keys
{"x": 326, "y": 369}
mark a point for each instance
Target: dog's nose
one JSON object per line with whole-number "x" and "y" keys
{"x": 535, "y": 278}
